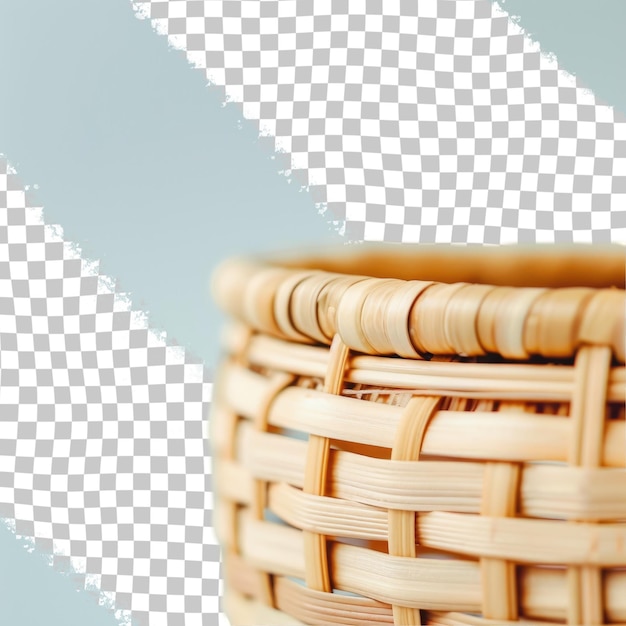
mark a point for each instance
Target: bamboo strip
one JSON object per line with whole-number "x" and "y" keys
{"x": 317, "y": 575}
{"x": 546, "y": 491}
{"x": 489, "y": 435}
{"x": 270, "y": 547}
{"x": 416, "y": 583}
{"x": 498, "y": 575}
{"x": 316, "y": 608}
{"x": 330, "y": 516}
{"x": 273, "y": 457}
{"x": 525, "y": 540}
{"x": 546, "y": 596}
{"x": 258, "y": 299}
{"x": 411, "y": 582}
{"x": 453, "y": 618}
{"x": 427, "y": 332}
{"x": 244, "y": 611}
{"x": 222, "y": 429}
{"x": 603, "y": 320}
{"x": 330, "y": 608}
{"x": 447, "y": 585}
{"x": 335, "y": 609}
{"x": 394, "y": 319}
{"x": 401, "y": 525}
{"x": 513, "y": 539}
{"x": 576, "y": 493}
{"x": 548, "y": 383}
{"x": 406, "y": 485}
{"x": 588, "y": 415}
{"x": 282, "y": 306}
{"x": 316, "y": 471}
{"x": 350, "y": 313}
{"x": 553, "y": 321}
{"x": 303, "y": 304}
{"x": 328, "y": 302}
{"x": 232, "y": 481}
{"x": 509, "y": 323}
{"x": 259, "y": 492}
{"x": 324, "y": 609}
{"x": 458, "y": 319}
{"x": 240, "y": 575}
{"x": 225, "y": 524}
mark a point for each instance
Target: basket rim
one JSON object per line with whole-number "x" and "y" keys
{"x": 408, "y": 300}
{"x": 365, "y": 258}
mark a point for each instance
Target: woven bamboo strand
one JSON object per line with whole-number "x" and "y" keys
{"x": 349, "y": 418}
{"x": 548, "y": 541}
{"x": 546, "y": 491}
{"x": 223, "y": 431}
{"x": 602, "y": 321}
{"x": 350, "y": 316}
{"x": 259, "y": 495}
{"x": 278, "y": 383}
{"x": 394, "y": 322}
{"x": 244, "y": 611}
{"x": 258, "y": 299}
{"x": 458, "y": 319}
{"x": 588, "y": 413}
{"x": 303, "y": 304}
{"x": 328, "y": 303}
{"x": 529, "y": 382}
{"x": 426, "y": 330}
{"x": 329, "y": 609}
{"x": 223, "y": 428}
{"x": 499, "y": 583}
{"x": 553, "y": 320}
{"x": 422, "y": 583}
{"x": 538, "y": 586}
{"x": 407, "y": 447}
{"x": 282, "y": 306}
{"x": 318, "y": 451}
{"x": 317, "y": 575}
{"x": 510, "y": 322}
{"x": 380, "y": 304}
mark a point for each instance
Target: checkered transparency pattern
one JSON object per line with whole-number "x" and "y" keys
{"x": 103, "y": 456}
{"x": 435, "y": 121}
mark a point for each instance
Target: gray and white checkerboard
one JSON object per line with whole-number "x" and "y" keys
{"x": 415, "y": 122}
{"x": 103, "y": 457}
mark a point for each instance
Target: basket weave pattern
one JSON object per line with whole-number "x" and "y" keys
{"x": 393, "y": 451}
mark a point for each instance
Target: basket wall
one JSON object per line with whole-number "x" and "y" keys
{"x": 393, "y": 451}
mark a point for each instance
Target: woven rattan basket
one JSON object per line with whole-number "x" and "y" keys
{"x": 423, "y": 435}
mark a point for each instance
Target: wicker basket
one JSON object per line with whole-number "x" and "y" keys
{"x": 423, "y": 435}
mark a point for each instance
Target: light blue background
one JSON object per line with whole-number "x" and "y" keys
{"x": 137, "y": 158}
{"x": 34, "y": 594}
{"x": 587, "y": 38}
